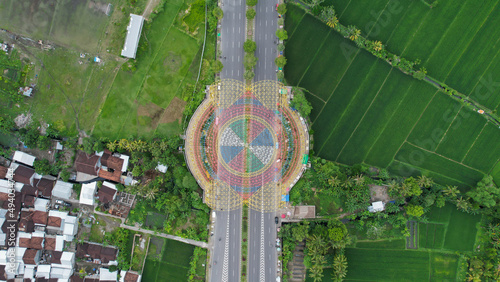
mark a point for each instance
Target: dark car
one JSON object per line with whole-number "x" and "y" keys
{"x": 276, "y": 220}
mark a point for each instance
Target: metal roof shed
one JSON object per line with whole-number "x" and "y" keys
{"x": 22, "y": 157}
{"x": 133, "y": 35}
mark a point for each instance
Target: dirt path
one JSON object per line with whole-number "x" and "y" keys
{"x": 150, "y": 7}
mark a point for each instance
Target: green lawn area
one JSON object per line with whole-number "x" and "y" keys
{"x": 364, "y": 111}
{"x": 174, "y": 264}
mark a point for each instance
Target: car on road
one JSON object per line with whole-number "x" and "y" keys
{"x": 276, "y": 220}
{"x": 63, "y": 203}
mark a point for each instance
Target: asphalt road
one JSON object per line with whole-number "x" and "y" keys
{"x": 266, "y": 23}
{"x": 225, "y": 261}
{"x": 232, "y": 39}
{"x": 262, "y": 255}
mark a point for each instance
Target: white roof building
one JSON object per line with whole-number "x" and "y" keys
{"x": 161, "y": 168}
{"x": 59, "y": 243}
{"x": 60, "y": 272}
{"x": 42, "y": 204}
{"x": 376, "y": 207}
{"x": 133, "y": 35}
{"x": 22, "y": 157}
{"x": 62, "y": 190}
{"x": 107, "y": 275}
{"x": 43, "y": 270}
{"x": 87, "y": 193}
{"x": 70, "y": 227}
{"x": 29, "y": 272}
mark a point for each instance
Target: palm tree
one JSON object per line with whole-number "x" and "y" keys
{"x": 424, "y": 181}
{"x": 347, "y": 183}
{"x": 340, "y": 267}
{"x": 359, "y": 180}
{"x": 151, "y": 193}
{"x": 462, "y": 204}
{"x": 355, "y": 33}
{"x": 332, "y": 22}
{"x": 112, "y": 145}
{"x": 334, "y": 181}
{"x": 393, "y": 187}
{"x": 122, "y": 144}
{"x": 451, "y": 191}
{"x": 377, "y": 46}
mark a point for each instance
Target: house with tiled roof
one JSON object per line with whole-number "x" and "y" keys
{"x": 129, "y": 276}
{"x": 23, "y": 174}
{"x": 32, "y": 256}
{"x": 45, "y": 187}
{"x": 107, "y": 192}
{"x": 98, "y": 253}
{"x": 86, "y": 166}
{"x": 3, "y": 171}
{"x": 50, "y": 243}
{"x": 104, "y": 164}
{"x": 40, "y": 217}
{"x": 63, "y": 223}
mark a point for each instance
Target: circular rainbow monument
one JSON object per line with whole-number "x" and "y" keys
{"x": 244, "y": 145}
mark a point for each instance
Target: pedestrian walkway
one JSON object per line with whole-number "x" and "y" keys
{"x": 168, "y": 236}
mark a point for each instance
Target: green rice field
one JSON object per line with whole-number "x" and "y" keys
{"x": 448, "y": 229}
{"x": 457, "y": 41}
{"x": 174, "y": 263}
{"x": 364, "y": 111}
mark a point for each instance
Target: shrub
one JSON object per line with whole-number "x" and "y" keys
{"x": 251, "y": 14}
{"x": 249, "y": 46}
{"x": 251, "y": 3}
{"x": 218, "y": 13}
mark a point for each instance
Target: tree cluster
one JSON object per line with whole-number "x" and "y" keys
{"x": 300, "y": 103}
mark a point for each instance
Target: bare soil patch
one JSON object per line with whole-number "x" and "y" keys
{"x": 379, "y": 193}
{"x": 151, "y": 110}
{"x": 174, "y": 111}
{"x": 150, "y": 8}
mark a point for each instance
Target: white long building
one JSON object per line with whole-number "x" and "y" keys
{"x": 133, "y": 35}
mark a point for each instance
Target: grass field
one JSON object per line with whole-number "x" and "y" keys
{"x": 78, "y": 24}
{"x": 457, "y": 41}
{"x": 174, "y": 263}
{"x": 150, "y": 99}
{"x": 366, "y": 111}
{"x": 105, "y": 99}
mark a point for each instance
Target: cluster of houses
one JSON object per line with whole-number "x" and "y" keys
{"x": 38, "y": 230}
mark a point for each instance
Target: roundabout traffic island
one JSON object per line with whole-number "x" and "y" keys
{"x": 244, "y": 145}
